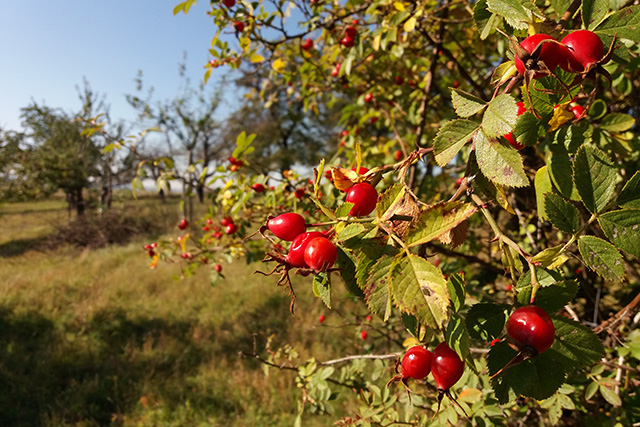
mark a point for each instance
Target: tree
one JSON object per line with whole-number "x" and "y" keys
{"x": 491, "y": 216}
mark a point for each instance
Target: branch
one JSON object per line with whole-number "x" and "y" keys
{"x": 619, "y": 316}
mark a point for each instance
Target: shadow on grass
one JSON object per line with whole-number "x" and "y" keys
{"x": 20, "y": 246}
{"x": 93, "y": 373}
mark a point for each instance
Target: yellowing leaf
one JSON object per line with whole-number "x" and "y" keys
{"x": 410, "y": 24}
{"x": 256, "y": 57}
{"x": 376, "y": 42}
{"x": 399, "y": 6}
{"x": 410, "y": 342}
{"x": 560, "y": 116}
{"x": 344, "y": 179}
{"x": 278, "y": 65}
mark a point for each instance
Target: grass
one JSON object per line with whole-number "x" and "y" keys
{"x": 93, "y": 337}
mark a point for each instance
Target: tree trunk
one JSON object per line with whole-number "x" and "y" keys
{"x": 200, "y": 192}
{"x": 80, "y": 207}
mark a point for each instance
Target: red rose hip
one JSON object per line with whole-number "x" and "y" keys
{"x": 364, "y": 198}
{"x": 531, "y": 326}
{"x": 320, "y": 254}
{"x": 287, "y": 226}
{"x": 416, "y": 363}
{"x": 295, "y": 257}
{"x": 446, "y": 366}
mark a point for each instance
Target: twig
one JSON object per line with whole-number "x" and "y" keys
{"x": 360, "y": 356}
{"x": 619, "y": 316}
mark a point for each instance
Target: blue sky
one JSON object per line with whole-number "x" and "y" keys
{"x": 48, "y": 47}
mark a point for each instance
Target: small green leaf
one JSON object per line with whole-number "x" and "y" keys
{"x": 390, "y": 201}
{"x": 436, "y": 220}
{"x": 594, "y": 177}
{"x": 343, "y": 210}
{"x": 500, "y": 117}
{"x": 622, "y": 228}
{"x": 457, "y": 338}
{"x": 485, "y": 20}
{"x": 562, "y": 214}
{"x": 601, "y": 257}
{"x": 465, "y": 104}
{"x": 419, "y": 288}
{"x": 322, "y": 288}
{"x": 500, "y": 163}
{"x": 542, "y": 183}
{"x": 551, "y": 298}
{"x": 347, "y": 264}
{"x": 528, "y": 129}
{"x": 560, "y": 171}
{"x": 351, "y": 231}
{"x": 551, "y": 258}
{"x": 617, "y": 122}
{"x": 629, "y": 197}
{"x": 544, "y": 277}
{"x": 575, "y": 346}
{"x": 594, "y": 12}
{"x": 451, "y": 137}
{"x": 457, "y": 291}
{"x": 367, "y": 256}
{"x": 378, "y": 297}
{"x": 512, "y": 11}
{"x": 485, "y": 321}
{"x": 610, "y": 395}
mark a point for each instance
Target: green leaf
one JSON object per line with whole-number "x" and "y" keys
{"x": 500, "y": 163}
{"x": 617, "y": 122}
{"x": 528, "y": 129}
{"x": 610, "y": 395}
{"x": 551, "y": 258}
{"x": 551, "y": 298}
{"x": 436, "y": 220}
{"x": 322, "y": 288}
{"x": 629, "y": 197}
{"x": 594, "y": 177}
{"x": 560, "y": 171}
{"x": 369, "y": 254}
{"x": 485, "y": 20}
{"x": 485, "y": 321}
{"x": 545, "y": 278}
{"x": 512, "y": 11}
{"x": 457, "y": 338}
{"x": 457, "y": 291}
{"x": 575, "y": 346}
{"x": 451, "y": 137}
{"x": 594, "y": 12}
{"x": 542, "y": 183}
{"x": 347, "y": 264}
{"x": 419, "y": 288}
{"x": 465, "y": 104}
{"x": 538, "y": 378}
{"x": 378, "y": 297}
{"x": 500, "y": 117}
{"x": 390, "y": 201}
{"x": 351, "y": 231}
{"x": 622, "y": 228}
{"x": 560, "y": 6}
{"x": 562, "y": 214}
{"x": 624, "y": 24}
{"x": 343, "y": 210}
{"x": 601, "y": 257}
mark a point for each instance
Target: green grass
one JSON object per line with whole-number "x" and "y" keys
{"x": 94, "y": 337}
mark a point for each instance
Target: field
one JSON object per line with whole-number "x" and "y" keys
{"x": 94, "y": 337}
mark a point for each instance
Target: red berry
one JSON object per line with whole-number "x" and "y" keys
{"x": 399, "y": 80}
{"x": 218, "y": 268}
{"x": 360, "y": 171}
{"x": 456, "y": 84}
{"x": 239, "y": 26}
{"x": 287, "y": 226}
{"x": 231, "y": 228}
{"x": 151, "y": 253}
{"x": 258, "y": 188}
{"x": 368, "y": 97}
{"x": 577, "y": 111}
{"x": 351, "y": 31}
{"x": 183, "y": 224}
{"x": 233, "y": 168}
{"x": 549, "y": 54}
{"x": 354, "y": 21}
{"x": 226, "y": 221}
{"x": 307, "y": 45}
{"x": 295, "y": 257}
{"x": 206, "y": 228}
{"x": 348, "y": 41}
{"x": 364, "y": 198}
{"x": 587, "y": 48}
{"x": 300, "y": 193}
{"x": 320, "y": 254}
{"x": 398, "y": 155}
{"x": 209, "y": 221}
{"x": 321, "y": 318}
{"x": 416, "y": 363}
{"x": 373, "y": 120}
{"x": 147, "y": 247}
{"x": 363, "y": 335}
{"x": 229, "y": 3}
{"x": 368, "y": 318}
{"x": 531, "y": 326}
{"x": 509, "y": 137}
{"x": 446, "y": 366}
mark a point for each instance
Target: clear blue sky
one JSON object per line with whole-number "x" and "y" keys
{"x": 47, "y": 48}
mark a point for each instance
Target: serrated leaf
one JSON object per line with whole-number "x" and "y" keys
{"x": 622, "y": 228}
{"x": 544, "y": 277}
{"x": 561, "y": 172}
{"x": 322, "y": 288}
{"x": 378, "y": 297}
{"x": 484, "y": 19}
{"x": 538, "y": 378}
{"x": 512, "y": 11}
{"x": 624, "y": 24}
{"x": 500, "y": 163}
{"x": 550, "y": 258}
{"x": 617, "y": 122}
{"x": 594, "y": 12}
{"x": 344, "y": 179}
{"x": 351, "y": 231}
{"x": 343, "y": 210}
{"x": 551, "y": 298}
{"x": 500, "y": 117}
{"x": 594, "y": 177}
{"x": 436, "y": 220}
{"x": 390, "y": 201}
{"x": 325, "y": 210}
{"x": 485, "y": 321}
{"x": 368, "y": 255}
{"x": 542, "y": 183}
{"x": 465, "y": 104}
{"x": 488, "y": 189}
{"x": 419, "y": 288}
{"x": 451, "y": 137}
{"x": 457, "y": 291}
{"x": 528, "y": 129}
{"x": 457, "y": 338}
{"x": 562, "y": 214}
{"x": 629, "y": 197}
{"x": 601, "y": 257}
{"x": 575, "y": 346}
{"x": 347, "y": 264}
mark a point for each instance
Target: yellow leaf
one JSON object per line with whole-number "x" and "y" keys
{"x": 410, "y": 25}
{"x": 256, "y": 57}
{"x": 410, "y": 342}
{"x": 343, "y": 179}
{"x": 154, "y": 262}
{"x": 399, "y": 6}
{"x": 560, "y": 116}
{"x": 278, "y": 65}
{"x": 376, "y": 42}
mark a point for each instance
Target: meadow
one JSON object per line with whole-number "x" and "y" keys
{"x": 93, "y": 337}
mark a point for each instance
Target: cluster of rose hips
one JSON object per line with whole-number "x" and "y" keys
{"x": 150, "y": 249}
{"x": 351, "y": 32}
{"x": 234, "y": 164}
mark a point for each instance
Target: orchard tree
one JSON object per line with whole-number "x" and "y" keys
{"x": 485, "y": 206}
